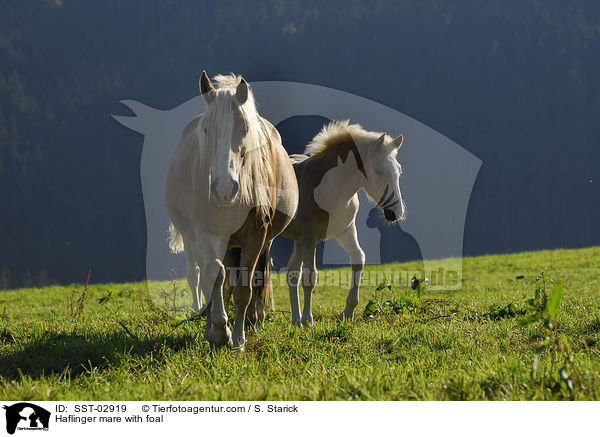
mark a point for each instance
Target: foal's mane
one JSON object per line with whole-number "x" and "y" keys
{"x": 258, "y": 171}
{"x": 337, "y": 133}
{"x": 339, "y": 138}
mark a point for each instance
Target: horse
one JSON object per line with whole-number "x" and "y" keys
{"x": 229, "y": 183}
{"x": 342, "y": 159}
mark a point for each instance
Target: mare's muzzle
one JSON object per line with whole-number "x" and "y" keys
{"x": 224, "y": 192}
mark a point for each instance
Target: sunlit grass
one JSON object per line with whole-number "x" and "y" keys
{"x": 123, "y": 346}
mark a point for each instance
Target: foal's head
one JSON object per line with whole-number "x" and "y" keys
{"x": 225, "y": 128}
{"x": 383, "y": 176}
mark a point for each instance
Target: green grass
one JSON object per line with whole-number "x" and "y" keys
{"x": 124, "y": 348}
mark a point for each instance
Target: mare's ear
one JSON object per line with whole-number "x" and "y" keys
{"x": 241, "y": 92}
{"x": 396, "y": 142}
{"x": 208, "y": 91}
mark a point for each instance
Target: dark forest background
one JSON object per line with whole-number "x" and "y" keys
{"x": 515, "y": 83}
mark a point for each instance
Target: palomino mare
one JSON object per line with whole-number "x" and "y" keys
{"x": 229, "y": 184}
{"x": 342, "y": 159}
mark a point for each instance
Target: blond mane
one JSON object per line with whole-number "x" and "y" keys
{"x": 337, "y": 132}
{"x": 227, "y": 81}
{"x": 257, "y": 174}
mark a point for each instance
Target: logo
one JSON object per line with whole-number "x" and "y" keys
{"x": 436, "y": 184}
{"x": 26, "y": 416}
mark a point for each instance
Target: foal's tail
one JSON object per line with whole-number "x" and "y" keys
{"x": 175, "y": 239}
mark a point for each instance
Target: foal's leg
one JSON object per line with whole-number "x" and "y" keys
{"x": 309, "y": 279}
{"x": 243, "y": 290}
{"x": 349, "y": 242}
{"x": 293, "y": 278}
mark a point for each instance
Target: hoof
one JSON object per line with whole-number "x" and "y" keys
{"x": 345, "y": 316}
{"x": 306, "y": 322}
{"x": 219, "y": 337}
{"x": 238, "y": 344}
{"x": 250, "y": 325}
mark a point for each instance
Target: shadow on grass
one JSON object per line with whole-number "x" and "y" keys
{"x": 54, "y": 352}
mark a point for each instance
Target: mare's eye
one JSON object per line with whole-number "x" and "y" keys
{"x": 242, "y": 152}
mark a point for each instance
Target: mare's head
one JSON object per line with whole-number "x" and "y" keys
{"x": 225, "y": 132}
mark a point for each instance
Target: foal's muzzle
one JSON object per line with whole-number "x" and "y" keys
{"x": 388, "y": 201}
{"x": 390, "y": 215}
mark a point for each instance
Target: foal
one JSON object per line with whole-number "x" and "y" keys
{"x": 341, "y": 160}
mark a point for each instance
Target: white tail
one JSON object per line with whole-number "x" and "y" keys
{"x": 175, "y": 240}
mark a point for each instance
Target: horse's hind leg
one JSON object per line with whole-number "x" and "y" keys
{"x": 232, "y": 264}
{"x": 252, "y": 309}
{"x": 243, "y": 289}
{"x": 349, "y": 242}
{"x": 193, "y": 278}
{"x": 262, "y": 287}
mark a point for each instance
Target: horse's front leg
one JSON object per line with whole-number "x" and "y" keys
{"x": 349, "y": 242}
{"x": 209, "y": 251}
{"x": 294, "y": 273}
{"x": 217, "y": 332}
{"x": 243, "y": 289}
{"x": 309, "y": 279}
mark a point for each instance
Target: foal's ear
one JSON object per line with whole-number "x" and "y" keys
{"x": 377, "y": 145}
{"x": 206, "y": 88}
{"x": 380, "y": 140}
{"x": 241, "y": 92}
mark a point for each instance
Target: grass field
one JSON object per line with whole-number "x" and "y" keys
{"x": 116, "y": 345}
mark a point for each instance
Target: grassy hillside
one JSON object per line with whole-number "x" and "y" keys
{"x": 115, "y": 344}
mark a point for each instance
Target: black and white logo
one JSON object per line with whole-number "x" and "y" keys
{"x": 26, "y": 416}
